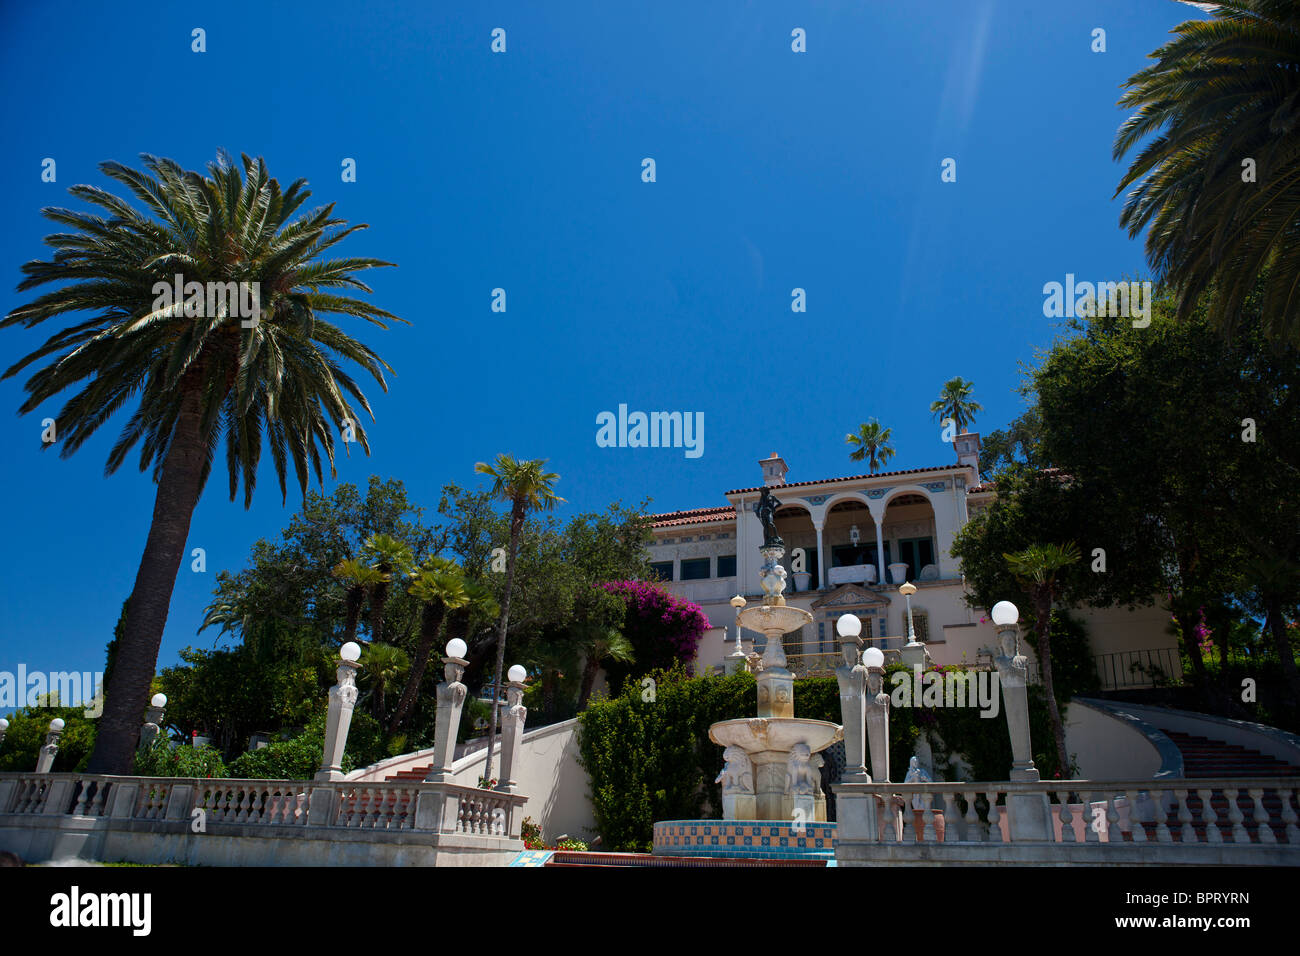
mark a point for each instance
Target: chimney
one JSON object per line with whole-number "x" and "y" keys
{"x": 774, "y": 470}
{"x": 968, "y": 451}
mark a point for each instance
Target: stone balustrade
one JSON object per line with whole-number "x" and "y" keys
{"x": 1229, "y": 820}
{"x": 378, "y": 821}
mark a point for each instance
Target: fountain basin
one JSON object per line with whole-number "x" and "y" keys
{"x": 774, "y": 618}
{"x": 756, "y": 735}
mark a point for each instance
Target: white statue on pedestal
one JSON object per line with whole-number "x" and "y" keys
{"x": 738, "y": 774}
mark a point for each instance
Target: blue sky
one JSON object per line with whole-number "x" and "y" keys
{"x": 522, "y": 170}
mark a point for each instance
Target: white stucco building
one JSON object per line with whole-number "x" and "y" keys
{"x": 859, "y": 537}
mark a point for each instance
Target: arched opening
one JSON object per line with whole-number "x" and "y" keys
{"x": 911, "y": 544}
{"x": 849, "y": 536}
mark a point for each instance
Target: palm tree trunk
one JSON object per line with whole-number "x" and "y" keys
{"x": 589, "y": 670}
{"x": 1282, "y": 644}
{"x": 430, "y": 624}
{"x": 356, "y": 597}
{"x": 516, "y": 526}
{"x": 1043, "y": 605}
{"x": 127, "y": 693}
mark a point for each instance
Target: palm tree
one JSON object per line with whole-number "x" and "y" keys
{"x": 195, "y": 378}
{"x": 955, "y": 402}
{"x": 599, "y": 646}
{"x": 358, "y": 579}
{"x": 382, "y": 666}
{"x": 555, "y": 659}
{"x": 1036, "y": 568}
{"x": 872, "y": 443}
{"x": 439, "y": 588}
{"x": 1221, "y": 94}
{"x": 528, "y": 488}
{"x": 389, "y": 557}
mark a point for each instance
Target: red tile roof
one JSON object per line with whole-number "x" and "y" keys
{"x": 695, "y": 516}
{"x": 831, "y": 481}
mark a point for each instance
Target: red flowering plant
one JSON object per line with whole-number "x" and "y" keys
{"x": 662, "y": 628}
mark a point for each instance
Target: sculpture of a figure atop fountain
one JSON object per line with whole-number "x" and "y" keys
{"x": 766, "y": 511}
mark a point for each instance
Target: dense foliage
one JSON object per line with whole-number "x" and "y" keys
{"x": 649, "y": 757}
{"x": 28, "y": 727}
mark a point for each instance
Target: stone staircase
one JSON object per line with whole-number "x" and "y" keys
{"x": 1205, "y": 758}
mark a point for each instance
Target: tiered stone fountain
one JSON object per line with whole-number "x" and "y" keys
{"x": 781, "y": 748}
{"x": 772, "y": 800}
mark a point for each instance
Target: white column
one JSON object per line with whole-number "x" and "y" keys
{"x": 880, "y": 543}
{"x": 821, "y": 557}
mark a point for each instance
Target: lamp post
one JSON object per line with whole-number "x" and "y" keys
{"x": 4, "y": 729}
{"x": 153, "y": 721}
{"x": 913, "y": 650}
{"x": 45, "y": 762}
{"x": 343, "y": 697}
{"x": 451, "y": 698}
{"x": 512, "y": 736}
{"x": 737, "y": 661}
{"x": 852, "y": 678}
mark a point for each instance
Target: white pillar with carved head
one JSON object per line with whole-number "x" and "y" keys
{"x": 512, "y": 738}
{"x": 45, "y": 762}
{"x": 153, "y": 721}
{"x": 343, "y": 697}
{"x": 451, "y": 699}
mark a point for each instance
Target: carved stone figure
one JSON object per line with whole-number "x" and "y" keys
{"x": 801, "y": 777}
{"x": 738, "y": 774}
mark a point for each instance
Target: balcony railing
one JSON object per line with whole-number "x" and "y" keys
{"x": 1233, "y": 815}
{"x": 273, "y": 804}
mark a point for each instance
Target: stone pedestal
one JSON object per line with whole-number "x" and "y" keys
{"x": 775, "y": 691}
{"x": 512, "y": 736}
{"x": 45, "y": 761}
{"x": 739, "y": 806}
{"x": 877, "y": 721}
{"x": 852, "y": 678}
{"x": 343, "y": 697}
{"x": 1013, "y": 675}
{"x": 451, "y": 698}
{"x": 1029, "y": 817}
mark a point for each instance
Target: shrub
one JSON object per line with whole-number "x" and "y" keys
{"x": 161, "y": 759}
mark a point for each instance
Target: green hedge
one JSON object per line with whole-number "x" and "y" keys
{"x": 652, "y": 760}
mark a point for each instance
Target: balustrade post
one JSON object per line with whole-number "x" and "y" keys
{"x": 512, "y": 734}
{"x": 343, "y": 697}
{"x": 45, "y": 761}
{"x": 451, "y": 698}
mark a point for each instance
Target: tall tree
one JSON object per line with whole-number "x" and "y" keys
{"x": 955, "y": 402}
{"x": 382, "y": 666}
{"x": 439, "y": 588}
{"x": 197, "y": 367}
{"x": 527, "y": 488}
{"x": 1037, "y": 567}
{"x": 1217, "y": 186}
{"x": 358, "y": 579}
{"x": 390, "y": 557}
{"x": 871, "y": 443}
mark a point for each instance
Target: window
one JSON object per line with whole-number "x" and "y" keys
{"x": 847, "y": 554}
{"x": 695, "y": 569}
{"x": 920, "y": 624}
{"x": 661, "y": 570}
{"x": 917, "y": 553}
{"x": 726, "y": 565}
